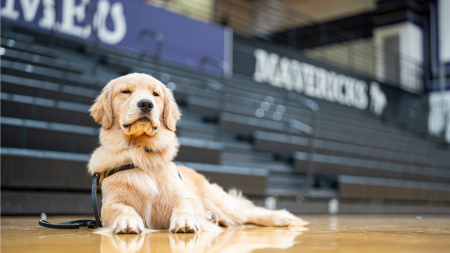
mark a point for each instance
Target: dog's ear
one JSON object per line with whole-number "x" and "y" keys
{"x": 101, "y": 110}
{"x": 171, "y": 112}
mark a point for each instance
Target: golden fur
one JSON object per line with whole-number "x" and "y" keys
{"x": 153, "y": 195}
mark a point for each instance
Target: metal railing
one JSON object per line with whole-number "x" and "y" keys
{"x": 48, "y": 6}
{"x": 222, "y": 65}
{"x": 276, "y": 22}
{"x": 158, "y": 37}
{"x": 336, "y": 45}
{"x": 221, "y": 88}
{"x": 310, "y": 130}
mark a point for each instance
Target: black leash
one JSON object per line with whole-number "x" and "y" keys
{"x": 73, "y": 224}
{"x": 97, "y": 223}
{"x": 95, "y": 183}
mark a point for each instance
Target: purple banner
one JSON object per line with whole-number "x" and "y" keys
{"x": 119, "y": 22}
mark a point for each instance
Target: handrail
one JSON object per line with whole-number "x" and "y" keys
{"x": 275, "y": 21}
{"x": 214, "y": 85}
{"x": 157, "y": 36}
{"x": 306, "y": 102}
{"x": 54, "y": 6}
{"x": 221, "y": 64}
{"x": 219, "y": 87}
{"x": 298, "y": 125}
{"x": 90, "y": 7}
{"x": 311, "y": 130}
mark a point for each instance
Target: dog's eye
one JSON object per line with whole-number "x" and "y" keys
{"x": 155, "y": 94}
{"x": 126, "y": 91}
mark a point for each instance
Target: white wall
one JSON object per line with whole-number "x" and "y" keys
{"x": 444, "y": 30}
{"x": 439, "y": 116}
{"x": 410, "y": 49}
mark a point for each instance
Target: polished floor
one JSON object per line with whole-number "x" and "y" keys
{"x": 355, "y": 233}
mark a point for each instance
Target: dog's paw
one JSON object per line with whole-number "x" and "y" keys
{"x": 282, "y": 218}
{"x": 128, "y": 225}
{"x": 116, "y": 243}
{"x": 184, "y": 242}
{"x": 184, "y": 224}
{"x": 211, "y": 217}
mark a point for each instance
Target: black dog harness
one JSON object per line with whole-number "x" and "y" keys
{"x": 97, "y": 223}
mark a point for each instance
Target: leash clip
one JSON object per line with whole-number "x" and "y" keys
{"x": 96, "y": 175}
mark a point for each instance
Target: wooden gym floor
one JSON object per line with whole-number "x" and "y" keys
{"x": 342, "y": 233}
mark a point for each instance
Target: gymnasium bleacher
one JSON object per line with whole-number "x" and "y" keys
{"x": 47, "y": 133}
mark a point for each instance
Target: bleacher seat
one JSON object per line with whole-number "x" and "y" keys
{"x": 47, "y": 133}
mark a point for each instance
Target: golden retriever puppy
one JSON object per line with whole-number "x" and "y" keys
{"x": 138, "y": 116}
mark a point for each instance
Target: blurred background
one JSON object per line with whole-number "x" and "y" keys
{"x": 315, "y": 106}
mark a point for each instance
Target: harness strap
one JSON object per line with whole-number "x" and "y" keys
{"x": 119, "y": 169}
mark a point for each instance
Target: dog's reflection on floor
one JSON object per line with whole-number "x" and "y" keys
{"x": 238, "y": 239}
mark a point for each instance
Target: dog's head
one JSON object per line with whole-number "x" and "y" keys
{"x": 137, "y": 104}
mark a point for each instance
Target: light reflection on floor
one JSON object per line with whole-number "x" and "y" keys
{"x": 361, "y": 233}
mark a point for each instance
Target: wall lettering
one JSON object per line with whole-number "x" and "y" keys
{"x": 317, "y": 82}
{"x": 73, "y": 17}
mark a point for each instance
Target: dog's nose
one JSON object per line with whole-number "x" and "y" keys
{"x": 145, "y": 105}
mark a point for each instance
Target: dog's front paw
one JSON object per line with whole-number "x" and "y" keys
{"x": 184, "y": 224}
{"x": 128, "y": 225}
